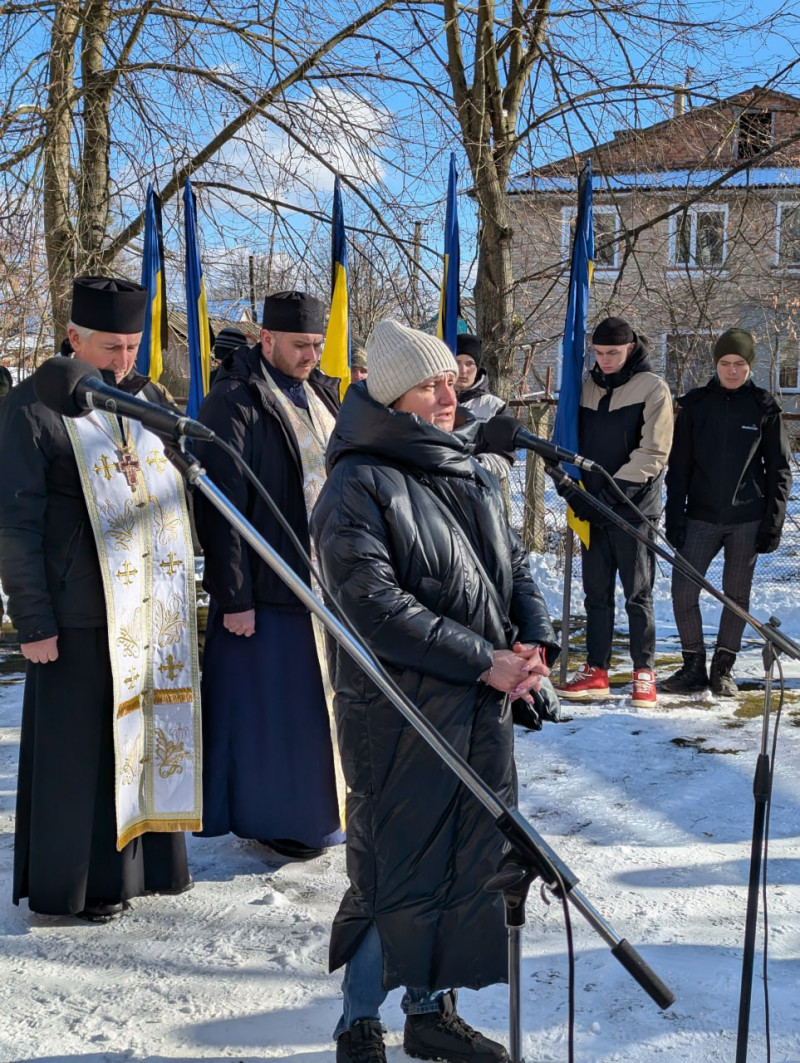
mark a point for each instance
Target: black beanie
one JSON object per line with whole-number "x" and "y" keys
{"x": 467, "y": 343}
{"x": 613, "y": 332}
{"x": 227, "y": 340}
{"x": 735, "y": 341}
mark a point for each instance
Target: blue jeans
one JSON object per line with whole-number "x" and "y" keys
{"x": 363, "y": 989}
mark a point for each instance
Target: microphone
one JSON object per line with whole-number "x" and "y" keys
{"x": 74, "y": 388}
{"x": 506, "y": 433}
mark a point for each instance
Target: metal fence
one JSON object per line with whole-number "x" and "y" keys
{"x": 540, "y": 517}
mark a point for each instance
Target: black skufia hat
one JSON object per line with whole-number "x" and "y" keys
{"x": 467, "y": 343}
{"x": 293, "y": 312}
{"x": 108, "y": 304}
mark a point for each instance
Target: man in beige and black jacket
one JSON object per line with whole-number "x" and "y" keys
{"x": 625, "y": 425}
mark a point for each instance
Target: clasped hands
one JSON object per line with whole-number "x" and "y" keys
{"x": 517, "y": 671}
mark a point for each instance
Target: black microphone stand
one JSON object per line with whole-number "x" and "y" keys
{"x": 774, "y": 643}
{"x": 532, "y": 855}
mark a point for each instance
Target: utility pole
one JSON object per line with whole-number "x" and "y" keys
{"x": 415, "y": 275}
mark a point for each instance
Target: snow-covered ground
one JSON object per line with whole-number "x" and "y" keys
{"x": 652, "y": 810}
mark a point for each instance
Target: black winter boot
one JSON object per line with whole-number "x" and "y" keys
{"x": 444, "y": 1035}
{"x": 362, "y": 1043}
{"x": 690, "y": 677}
{"x": 722, "y": 682}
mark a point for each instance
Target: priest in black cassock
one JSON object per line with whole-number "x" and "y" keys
{"x": 270, "y": 764}
{"x": 95, "y": 556}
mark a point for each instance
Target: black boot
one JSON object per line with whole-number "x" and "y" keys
{"x": 444, "y": 1035}
{"x": 362, "y": 1043}
{"x": 722, "y": 682}
{"x": 690, "y": 677}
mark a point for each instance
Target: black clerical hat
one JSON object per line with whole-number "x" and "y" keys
{"x": 108, "y": 304}
{"x": 293, "y": 312}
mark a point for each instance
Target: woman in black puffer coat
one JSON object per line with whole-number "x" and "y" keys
{"x": 402, "y": 515}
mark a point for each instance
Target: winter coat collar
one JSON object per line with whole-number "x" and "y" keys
{"x": 366, "y": 426}
{"x": 132, "y": 384}
{"x": 749, "y": 389}
{"x": 477, "y": 390}
{"x": 244, "y": 364}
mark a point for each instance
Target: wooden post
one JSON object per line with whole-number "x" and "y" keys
{"x": 533, "y": 529}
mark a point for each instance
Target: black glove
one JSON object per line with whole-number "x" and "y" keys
{"x": 545, "y": 706}
{"x": 676, "y": 536}
{"x": 767, "y": 541}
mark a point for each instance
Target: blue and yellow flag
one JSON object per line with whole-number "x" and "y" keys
{"x": 150, "y": 359}
{"x": 198, "y": 329}
{"x": 447, "y": 324}
{"x": 573, "y": 351}
{"x": 336, "y": 352}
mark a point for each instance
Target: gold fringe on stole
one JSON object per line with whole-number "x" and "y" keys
{"x": 175, "y": 696}
{"x": 131, "y": 705}
{"x": 155, "y": 826}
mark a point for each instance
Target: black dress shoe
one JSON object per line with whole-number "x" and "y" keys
{"x": 101, "y": 911}
{"x": 290, "y": 848}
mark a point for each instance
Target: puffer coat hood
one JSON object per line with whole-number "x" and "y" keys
{"x": 420, "y": 847}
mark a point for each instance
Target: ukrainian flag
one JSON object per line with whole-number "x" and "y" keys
{"x": 573, "y": 351}
{"x": 335, "y": 359}
{"x": 198, "y": 329}
{"x": 150, "y": 359}
{"x": 447, "y": 325}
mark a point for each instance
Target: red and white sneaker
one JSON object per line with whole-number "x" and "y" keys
{"x": 644, "y": 689}
{"x": 588, "y": 683}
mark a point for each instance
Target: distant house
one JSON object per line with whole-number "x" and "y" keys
{"x": 221, "y": 313}
{"x": 697, "y": 229}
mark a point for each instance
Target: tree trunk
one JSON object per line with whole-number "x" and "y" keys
{"x": 59, "y": 233}
{"x": 94, "y": 185}
{"x": 494, "y": 284}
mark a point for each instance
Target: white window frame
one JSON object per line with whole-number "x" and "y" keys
{"x": 780, "y": 206}
{"x": 568, "y": 214}
{"x": 778, "y": 387}
{"x": 693, "y": 212}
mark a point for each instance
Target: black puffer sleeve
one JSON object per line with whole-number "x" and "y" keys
{"x": 359, "y": 573}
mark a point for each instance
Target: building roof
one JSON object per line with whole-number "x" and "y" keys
{"x": 662, "y": 181}
{"x": 688, "y": 150}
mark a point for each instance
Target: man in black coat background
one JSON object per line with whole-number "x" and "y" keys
{"x": 728, "y": 482}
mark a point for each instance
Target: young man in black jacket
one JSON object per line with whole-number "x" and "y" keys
{"x": 727, "y": 485}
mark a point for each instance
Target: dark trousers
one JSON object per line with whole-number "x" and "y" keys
{"x": 703, "y": 542}
{"x": 612, "y": 551}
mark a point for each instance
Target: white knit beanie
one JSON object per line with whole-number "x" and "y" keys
{"x": 399, "y": 358}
